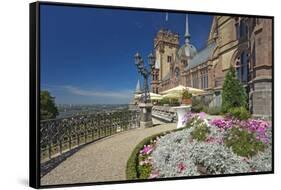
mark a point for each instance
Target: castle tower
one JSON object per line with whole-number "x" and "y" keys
{"x": 166, "y": 45}
{"x": 155, "y": 78}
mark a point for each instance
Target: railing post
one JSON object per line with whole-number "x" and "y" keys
{"x": 78, "y": 139}
{"x": 60, "y": 145}
{"x": 69, "y": 142}
{"x": 50, "y": 150}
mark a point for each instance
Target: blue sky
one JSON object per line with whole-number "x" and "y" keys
{"x": 87, "y": 54}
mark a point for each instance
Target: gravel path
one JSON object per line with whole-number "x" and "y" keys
{"x": 104, "y": 160}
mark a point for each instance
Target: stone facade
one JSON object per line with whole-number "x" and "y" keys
{"x": 243, "y": 42}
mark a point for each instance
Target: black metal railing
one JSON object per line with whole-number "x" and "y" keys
{"x": 61, "y": 135}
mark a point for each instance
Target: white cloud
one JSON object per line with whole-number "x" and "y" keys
{"x": 120, "y": 94}
{"x": 73, "y": 94}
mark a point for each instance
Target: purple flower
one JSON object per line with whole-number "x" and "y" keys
{"x": 187, "y": 117}
{"x": 222, "y": 123}
{"x": 146, "y": 150}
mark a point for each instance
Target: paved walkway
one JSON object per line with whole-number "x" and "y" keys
{"x": 104, "y": 160}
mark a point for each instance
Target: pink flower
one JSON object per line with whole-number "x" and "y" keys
{"x": 181, "y": 167}
{"x": 210, "y": 139}
{"x": 146, "y": 150}
{"x": 222, "y": 123}
{"x": 202, "y": 115}
{"x": 154, "y": 174}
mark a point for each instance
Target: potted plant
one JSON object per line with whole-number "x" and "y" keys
{"x": 186, "y": 98}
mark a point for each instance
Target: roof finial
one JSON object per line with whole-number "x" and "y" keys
{"x": 186, "y": 35}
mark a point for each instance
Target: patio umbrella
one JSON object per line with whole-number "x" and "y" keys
{"x": 172, "y": 95}
{"x": 153, "y": 96}
{"x": 178, "y": 90}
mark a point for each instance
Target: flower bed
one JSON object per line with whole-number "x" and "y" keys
{"x": 133, "y": 164}
{"x": 220, "y": 146}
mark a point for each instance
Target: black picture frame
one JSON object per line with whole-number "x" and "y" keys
{"x": 34, "y": 94}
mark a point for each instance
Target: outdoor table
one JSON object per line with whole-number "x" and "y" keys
{"x": 181, "y": 111}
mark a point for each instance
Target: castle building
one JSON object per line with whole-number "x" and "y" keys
{"x": 243, "y": 42}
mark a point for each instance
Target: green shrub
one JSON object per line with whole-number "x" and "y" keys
{"x": 186, "y": 94}
{"x": 164, "y": 101}
{"x": 240, "y": 113}
{"x": 144, "y": 170}
{"x": 174, "y": 102}
{"x": 197, "y": 105}
{"x": 233, "y": 93}
{"x": 242, "y": 142}
{"x": 200, "y": 132}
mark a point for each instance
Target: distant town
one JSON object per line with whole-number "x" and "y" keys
{"x": 68, "y": 110}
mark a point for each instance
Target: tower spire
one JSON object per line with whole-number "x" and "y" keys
{"x": 186, "y": 35}
{"x": 138, "y": 88}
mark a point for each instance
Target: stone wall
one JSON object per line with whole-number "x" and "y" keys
{"x": 210, "y": 100}
{"x": 261, "y": 100}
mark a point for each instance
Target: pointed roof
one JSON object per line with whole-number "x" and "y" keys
{"x": 138, "y": 88}
{"x": 186, "y": 35}
{"x": 187, "y": 50}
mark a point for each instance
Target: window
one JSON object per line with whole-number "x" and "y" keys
{"x": 177, "y": 73}
{"x": 243, "y": 29}
{"x": 204, "y": 79}
{"x": 169, "y": 59}
{"x": 188, "y": 82}
{"x": 195, "y": 82}
{"x": 184, "y": 62}
{"x": 242, "y": 69}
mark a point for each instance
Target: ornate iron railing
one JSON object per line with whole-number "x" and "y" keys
{"x": 61, "y": 135}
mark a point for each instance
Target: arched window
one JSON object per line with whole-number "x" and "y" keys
{"x": 242, "y": 68}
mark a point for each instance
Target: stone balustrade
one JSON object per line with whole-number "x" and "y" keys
{"x": 164, "y": 113}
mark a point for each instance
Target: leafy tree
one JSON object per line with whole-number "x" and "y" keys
{"x": 233, "y": 93}
{"x": 48, "y": 109}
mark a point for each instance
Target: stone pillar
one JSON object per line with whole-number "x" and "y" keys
{"x": 261, "y": 99}
{"x": 145, "y": 115}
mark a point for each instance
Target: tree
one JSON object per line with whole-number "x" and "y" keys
{"x": 233, "y": 93}
{"x": 48, "y": 109}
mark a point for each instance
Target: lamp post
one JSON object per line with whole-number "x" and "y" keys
{"x": 145, "y": 103}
